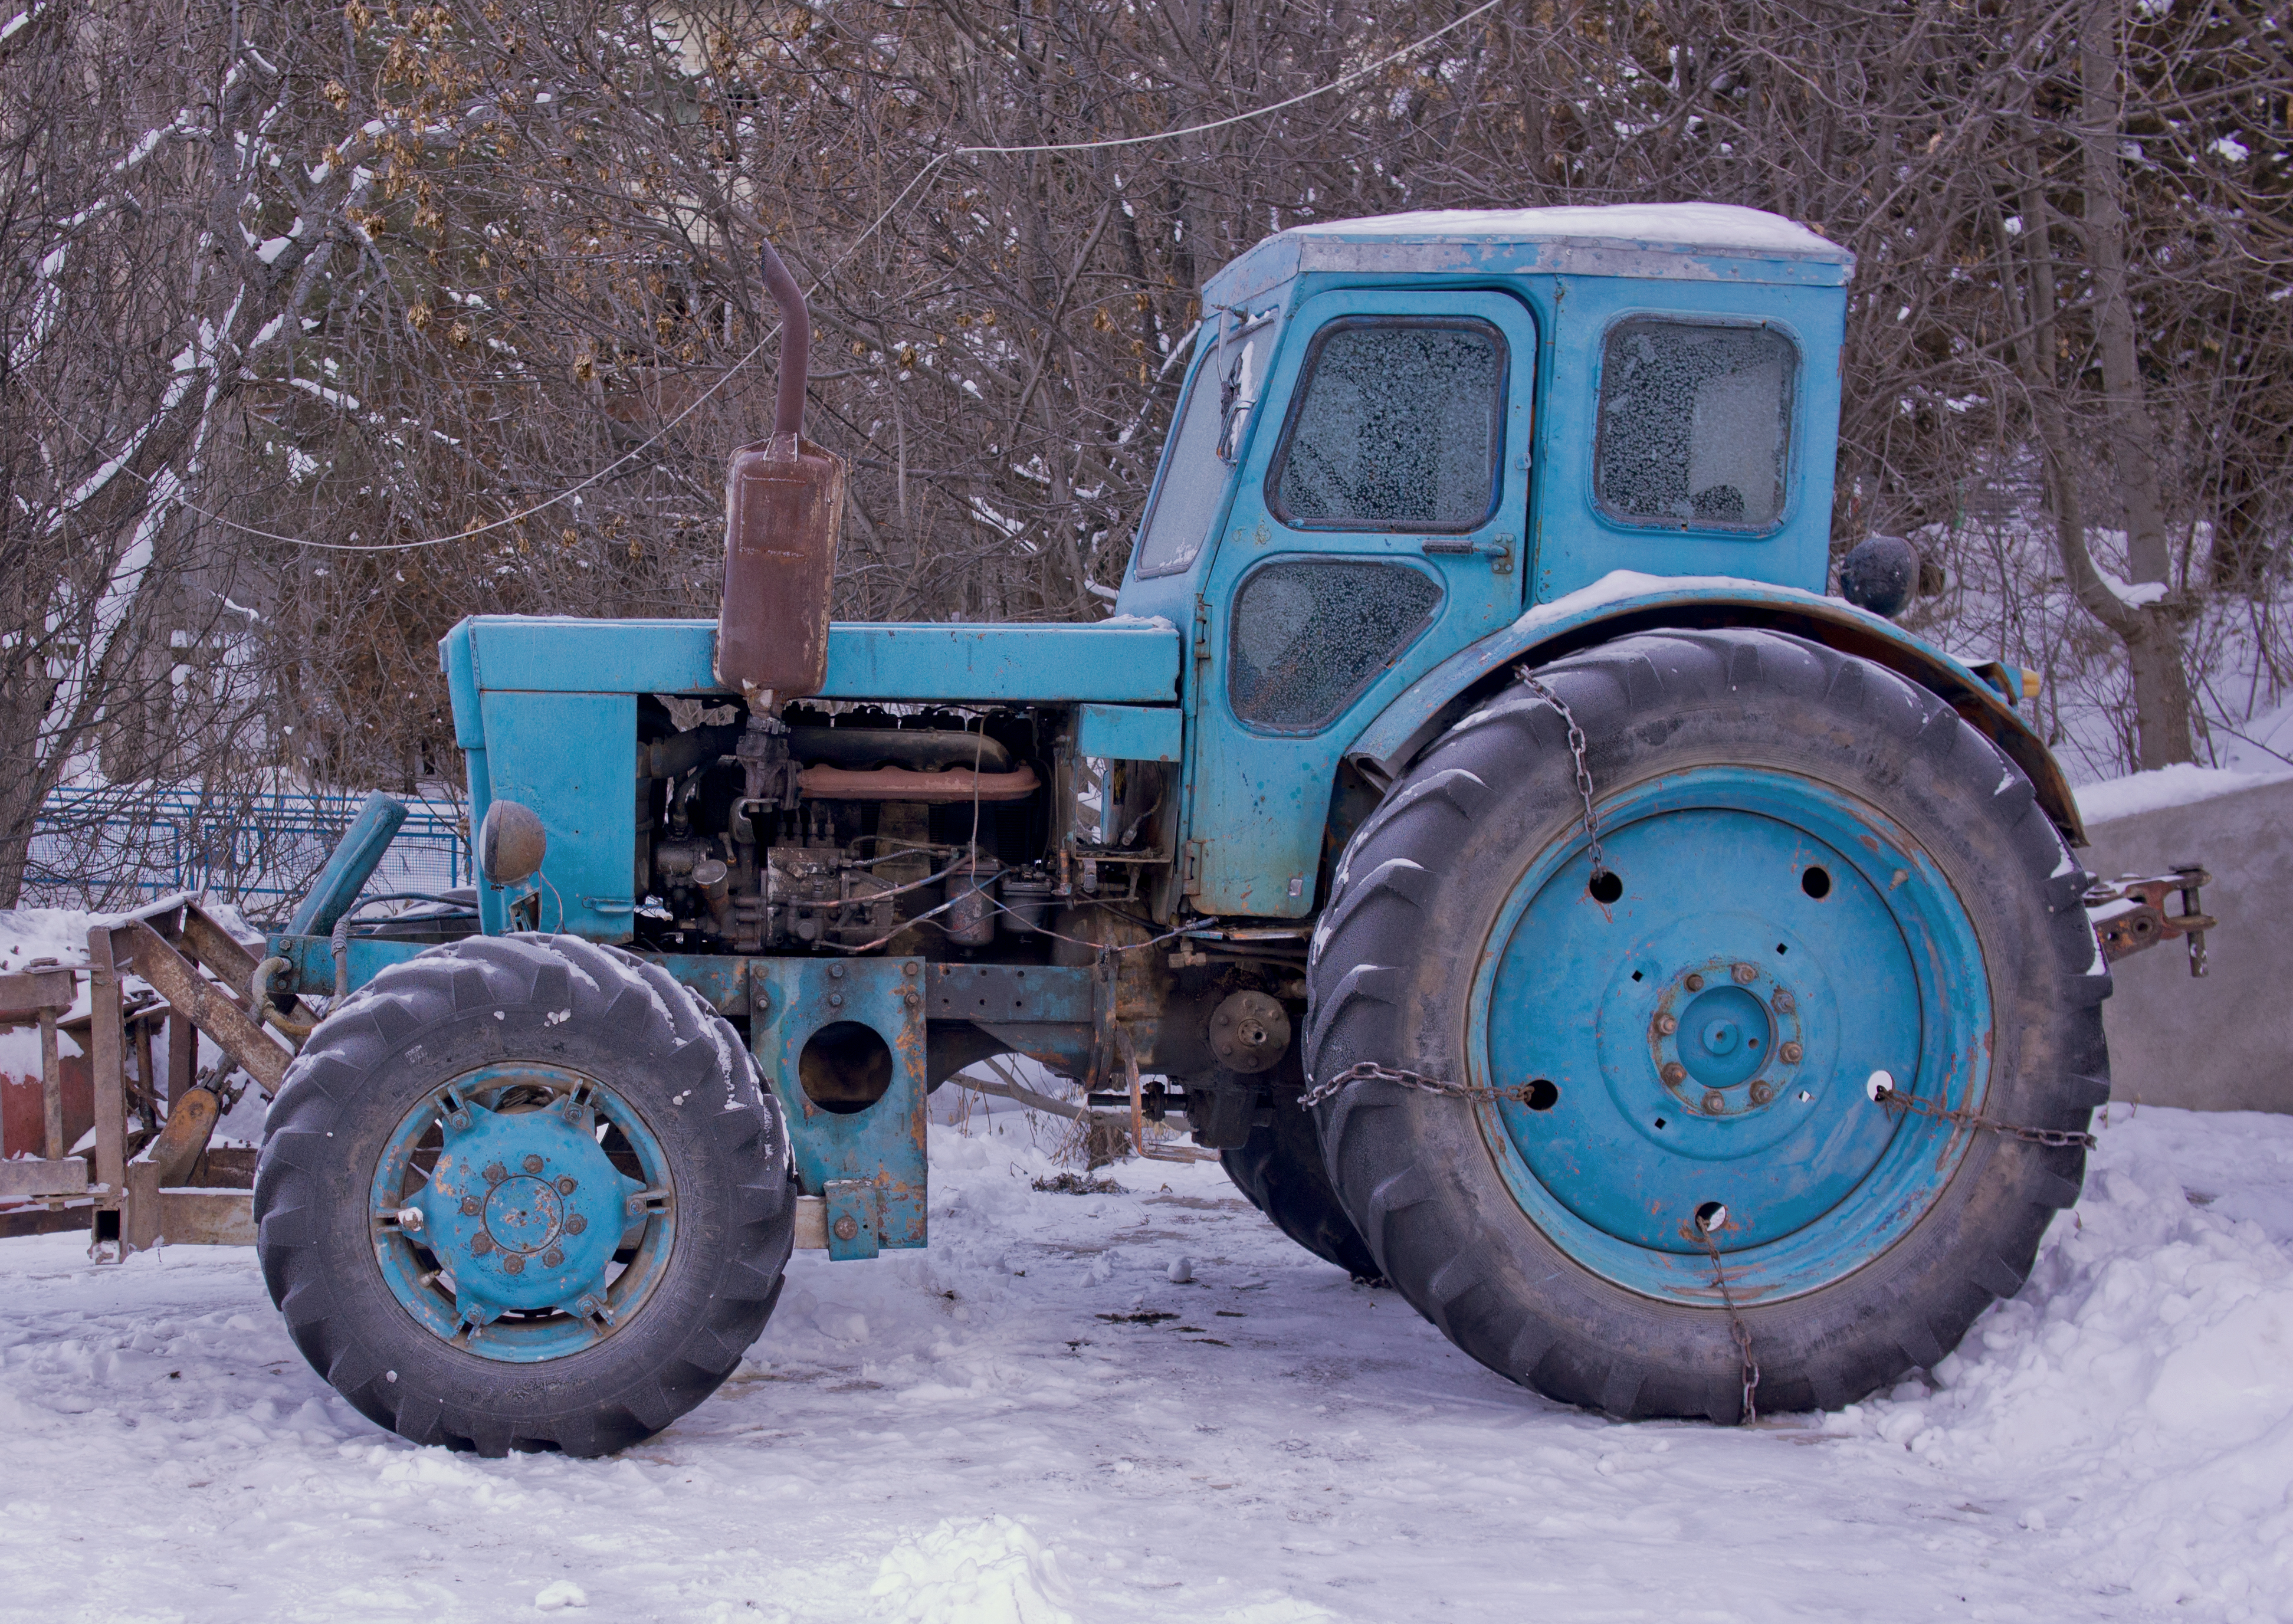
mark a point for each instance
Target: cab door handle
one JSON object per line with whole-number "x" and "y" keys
{"x": 1497, "y": 549}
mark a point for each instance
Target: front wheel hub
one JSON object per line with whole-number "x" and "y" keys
{"x": 542, "y": 1236}
{"x": 522, "y": 1212}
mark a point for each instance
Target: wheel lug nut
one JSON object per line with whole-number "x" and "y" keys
{"x": 533, "y": 1163}
{"x": 409, "y": 1218}
{"x": 1695, "y": 984}
{"x": 1746, "y": 975}
{"x": 1715, "y": 1101}
{"x": 512, "y": 1264}
{"x": 552, "y": 1258}
{"x": 1784, "y": 1003}
{"x": 1674, "y": 1072}
{"x": 566, "y": 1187}
{"x": 469, "y": 1206}
{"x": 1668, "y": 1025}
{"x": 1761, "y": 1093}
{"x": 576, "y": 1224}
{"x": 481, "y": 1244}
{"x": 495, "y": 1172}
{"x": 1790, "y": 1053}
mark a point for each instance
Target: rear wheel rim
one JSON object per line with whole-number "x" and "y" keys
{"x": 522, "y": 1212}
{"x": 1709, "y": 1041}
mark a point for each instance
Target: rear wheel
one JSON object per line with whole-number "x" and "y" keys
{"x": 524, "y": 1193}
{"x": 1816, "y": 872}
{"x": 1281, "y": 1169}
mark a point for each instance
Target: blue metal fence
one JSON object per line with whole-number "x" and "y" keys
{"x": 108, "y": 847}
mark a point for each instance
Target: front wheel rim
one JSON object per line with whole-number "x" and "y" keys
{"x": 522, "y": 1212}
{"x": 1703, "y": 1049}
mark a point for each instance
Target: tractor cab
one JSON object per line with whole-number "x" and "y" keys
{"x": 1400, "y": 434}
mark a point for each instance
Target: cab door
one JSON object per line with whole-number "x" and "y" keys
{"x": 1377, "y": 528}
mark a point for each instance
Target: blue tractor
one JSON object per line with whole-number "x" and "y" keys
{"x": 1477, "y": 821}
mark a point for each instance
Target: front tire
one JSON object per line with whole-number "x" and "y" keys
{"x": 524, "y": 1193}
{"x": 1825, "y": 872}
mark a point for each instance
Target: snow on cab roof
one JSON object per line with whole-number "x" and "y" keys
{"x": 1688, "y": 227}
{"x": 1684, "y": 241}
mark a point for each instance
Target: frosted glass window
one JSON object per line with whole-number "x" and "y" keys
{"x": 1309, "y": 635}
{"x": 1694, "y": 424}
{"x": 1399, "y": 425}
{"x": 1194, "y": 482}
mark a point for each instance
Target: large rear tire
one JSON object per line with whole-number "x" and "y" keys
{"x": 524, "y": 1193}
{"x": 1825, "y": 872}
{"x": 1281, "y": 1169}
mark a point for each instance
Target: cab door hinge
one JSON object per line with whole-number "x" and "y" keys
{"x": 1190, "y": 868}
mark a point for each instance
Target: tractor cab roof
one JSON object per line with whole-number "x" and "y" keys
{"x": 1674, "y": 241}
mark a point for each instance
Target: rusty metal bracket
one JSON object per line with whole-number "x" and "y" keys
{"x": 2130, "y": 913}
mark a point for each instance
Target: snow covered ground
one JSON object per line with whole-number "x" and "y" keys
{"x": 988, "y": 1432}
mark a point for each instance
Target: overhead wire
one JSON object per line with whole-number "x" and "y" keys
{"x": 930, "y": 168}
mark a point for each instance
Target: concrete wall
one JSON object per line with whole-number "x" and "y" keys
{"x": 2223, "y": 1042}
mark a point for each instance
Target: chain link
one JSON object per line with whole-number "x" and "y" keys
{"x": 1886, "y": 1098}
{"x": 1371, "y": 1071}
{"x": 1575, "y": 749}
{"x": 1735, "y": 1327}
{"x": 1890, "y": 1100}
{"x": 1419, "y": 1083}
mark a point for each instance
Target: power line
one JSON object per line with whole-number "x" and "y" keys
{"x": 922, "y": 175}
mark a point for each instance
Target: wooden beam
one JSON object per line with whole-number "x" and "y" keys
{"x": 210, "y": 1008}
{"x": 108, "y": 1066}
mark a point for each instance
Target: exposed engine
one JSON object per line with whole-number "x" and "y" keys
{"x": 930, "y": 832}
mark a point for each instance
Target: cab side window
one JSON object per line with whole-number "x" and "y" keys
{"x": 1192, "y": 485}
{"x": 1310, "y": 633}
{"x": 1398, "y": 424}
{"x": 1695, "y": 424}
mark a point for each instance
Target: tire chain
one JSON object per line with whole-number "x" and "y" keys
{"x": 1419, "y": 1083}
{"x": 1889, "y": 1099}
{"x": 1737, "y": 1329}
{"x": 1370, "y": 1071}
{"x": 1535, "y": 686}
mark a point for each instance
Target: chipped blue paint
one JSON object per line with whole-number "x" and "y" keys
{"x": 1257, "y": 799}
{"x": 522, "y": 1213}
{"x": 1135, "y": 664}
{"x": 879, "y": 1145}
{"x": 350, "y": 864}
{"x": 312, "y": 964}
{"x": 1627, "y": 601}
{"x": 1775, "y": 996}
{"x": 545, "y": 709}
{"x": 1129, "y": 733}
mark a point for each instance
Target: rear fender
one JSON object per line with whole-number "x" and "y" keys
{"x": 1625, "y": 602}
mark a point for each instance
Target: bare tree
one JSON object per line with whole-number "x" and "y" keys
{"x": 411, "y": 312}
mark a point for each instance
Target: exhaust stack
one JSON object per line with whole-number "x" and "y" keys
{"x": 784, "y": 509}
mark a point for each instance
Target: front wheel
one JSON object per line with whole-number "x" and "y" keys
{"x": 524, "y": 1193}
{"x": 1818, "y": 880}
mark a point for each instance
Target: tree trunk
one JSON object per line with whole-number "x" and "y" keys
{"x": 2153, "y": 639}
